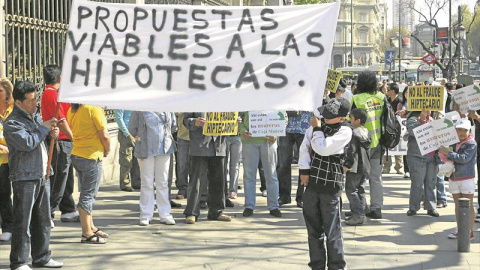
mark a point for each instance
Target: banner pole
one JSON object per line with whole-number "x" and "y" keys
{"x": 53, "y": 141}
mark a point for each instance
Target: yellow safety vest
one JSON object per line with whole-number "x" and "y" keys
{"x": 373, "y": 104}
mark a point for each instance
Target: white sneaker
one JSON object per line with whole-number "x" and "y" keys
{"x": 52, "y": 224}
{"x": 144, "y": 222}
{"x": 70, "y": 217}
{"x": 6, "y": 236}
{"x": 264, "y": 193}
{"x": 406, "y": 175}
{"x": 51, "y": 264}
{"x": 23, "y": 267}
{"x": 168, "y": 220}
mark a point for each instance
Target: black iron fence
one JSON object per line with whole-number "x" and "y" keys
{"x": 35, "y": 35}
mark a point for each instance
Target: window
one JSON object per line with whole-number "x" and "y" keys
{"x": 338, "y": 36}
{"x": 363, "y": 17}
{"x": 363, "y": 37}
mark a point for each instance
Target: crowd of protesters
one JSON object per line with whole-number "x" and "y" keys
{"x": 338, "y": 147}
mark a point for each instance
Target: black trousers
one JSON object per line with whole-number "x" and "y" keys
{"x": 284, "y": 166}
{"x": 62, "y": 181}
{"x": 206, "y": 172}
{"x": 322, "y": 218}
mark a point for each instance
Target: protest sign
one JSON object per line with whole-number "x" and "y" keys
{"x": 197, "y": 58}
{"x": 468, "y": 98}
{"x": 333, "y": 78}
{"x": 432, "y": 135}
{"x": 428, "y": 97}
{"x": 401, "y": 148}
{"x": 220, "y": 123}
{"x": 261, "y": 123}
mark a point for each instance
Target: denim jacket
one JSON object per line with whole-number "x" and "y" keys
{"x": 24, "y": 133}
{"x": 412, "y": 146}
{"x": 155, "y": 132}
{"x": 464, "y": 160}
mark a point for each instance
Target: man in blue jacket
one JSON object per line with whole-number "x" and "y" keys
{"x": 25, "y": 135}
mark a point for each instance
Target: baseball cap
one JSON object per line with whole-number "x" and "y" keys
{"x": 335, "y": 107}
{"x": 463, "y": 124}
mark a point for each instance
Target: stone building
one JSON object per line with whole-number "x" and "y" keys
{"x": 369, "y": 26}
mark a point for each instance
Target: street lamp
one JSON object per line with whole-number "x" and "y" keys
{"x": 460, "y": 35}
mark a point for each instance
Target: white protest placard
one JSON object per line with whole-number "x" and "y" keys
{"x": 262, "y": 123}
{"x": 468, "y": 98}
{"x": 198, "y": 58}
{"x": 435, "y": 134}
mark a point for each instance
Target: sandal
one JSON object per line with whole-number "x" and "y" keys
{"x": 100, "y": 233}
{"x": 93, "y": 239}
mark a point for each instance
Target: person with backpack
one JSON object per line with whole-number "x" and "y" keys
{"x": 368, "y": 97}
{"x": 394, "y": 99}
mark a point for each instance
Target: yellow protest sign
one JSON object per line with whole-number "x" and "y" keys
{"x": 220, "y": 123}
{"x": 429, "y": 97}
{"x": 333, "y": 78}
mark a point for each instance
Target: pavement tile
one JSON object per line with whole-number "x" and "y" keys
{"x": 260, "y": 242}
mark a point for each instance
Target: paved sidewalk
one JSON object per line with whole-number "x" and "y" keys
{"x": 260, "y": 241}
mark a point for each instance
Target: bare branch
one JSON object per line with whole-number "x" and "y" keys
{"x": 438, "y": 63}
{"x": 473, "y": 20}
{"x": 440, "y": 7}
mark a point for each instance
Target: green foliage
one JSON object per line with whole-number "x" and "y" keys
{"x": 309, "y": 2}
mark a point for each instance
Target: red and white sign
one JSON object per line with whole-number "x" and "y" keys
{"x": 429, "y": 59}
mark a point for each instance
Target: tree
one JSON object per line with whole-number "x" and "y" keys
{"x": 391, "y": 36}
{"x": 309, "y": 2}
{"x": 434, "y": 7}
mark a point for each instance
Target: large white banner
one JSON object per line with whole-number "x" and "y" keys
{"x": 198, "y": 58}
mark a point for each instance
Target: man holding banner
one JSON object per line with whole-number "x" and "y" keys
{"x": 207, "y": 155}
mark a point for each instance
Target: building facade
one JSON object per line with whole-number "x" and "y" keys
{"x": 408, "y": 18}
{"x": 368, "y": 24}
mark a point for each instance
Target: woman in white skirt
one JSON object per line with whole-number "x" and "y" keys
{"x": 153, "y": 145}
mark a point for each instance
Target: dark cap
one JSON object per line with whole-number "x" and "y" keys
{"x": 335, "y": 107}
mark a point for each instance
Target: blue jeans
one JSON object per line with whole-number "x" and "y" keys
{"x": 62, "y": 181}
{"x": 441, "y": 194}
{"x": 31, "y": 223}
{"x": 89, "y": 178}
{"x": 322, "y": 218}
{"x": 251, "y": 154}
{"x": 423, "y": 174}
{"x": 232, "y": 163}
{"x": 284, "y": 166}
{"x": 6, "y": 211}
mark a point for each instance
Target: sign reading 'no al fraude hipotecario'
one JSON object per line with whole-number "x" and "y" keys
{"x": 197, "y": 58}
{"x": 428, "y": 97}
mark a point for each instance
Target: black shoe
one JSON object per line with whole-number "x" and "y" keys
{"x": 239, "y": 187}
{"x": 433, "y": 213}
{"x": 283, "y": 201}
{"x": 174, "y": 204}
{"x": 203, "y": 205}
{"x": 411, "y": 213}
{"x": 300, "y": 204}
{"x": 229, "y": 203}
{"x": 127, "y": 189}
{"x": 374, "y": 214}
{"x": 247, "y": 212}
{"x": 349, "y": 214}
{"x": 276, "y": 213}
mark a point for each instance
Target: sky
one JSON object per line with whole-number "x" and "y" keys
{"x": 442, "y": 17}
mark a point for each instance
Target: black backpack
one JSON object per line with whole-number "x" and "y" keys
{"x": 391, "y": 128}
